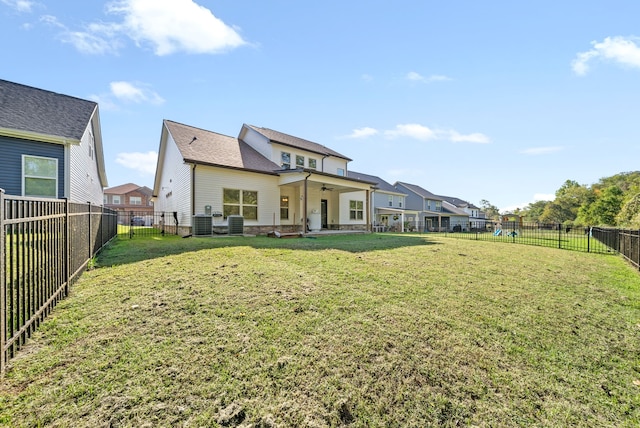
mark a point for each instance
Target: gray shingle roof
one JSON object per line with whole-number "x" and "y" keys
{"x": 380, "y": 183}
{"x": 29, "y": 109}
{"x": 205, "y": 147}
{"x": 420, "y": 191}
{"x": 289, "y": 140}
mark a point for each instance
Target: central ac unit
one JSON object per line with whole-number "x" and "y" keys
{"x": 236, "y": 224}
{"x": 202, "y": 225}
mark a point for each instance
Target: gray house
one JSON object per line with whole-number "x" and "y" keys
{"x": 436, "y": 213}
{"x": 51, "y": 145}
{"x": 388, "y": 205}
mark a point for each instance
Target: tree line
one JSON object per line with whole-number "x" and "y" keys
{"x": 612, "y": 201}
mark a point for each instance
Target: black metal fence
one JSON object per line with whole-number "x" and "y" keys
{"x": 45, "y": 244}
{"x": 146, "y": 223}
{"x": 586, "y": 239}
{"x": 624, "y": 241}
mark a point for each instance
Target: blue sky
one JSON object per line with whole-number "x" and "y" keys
{"x": 495, "y": 100}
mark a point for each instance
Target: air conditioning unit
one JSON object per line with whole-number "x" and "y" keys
{"x": 202, "y": 225}
{"x": 236, "y": 224}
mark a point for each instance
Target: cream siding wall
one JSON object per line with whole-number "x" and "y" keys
{"x": 258, "y": 142}
{"x": 175, "y": 185}
{"x": 331, "y": 165}
{"x": 210, "y": 182}
{"x": 84, "y": 181}
{"x": 344, "y": 207}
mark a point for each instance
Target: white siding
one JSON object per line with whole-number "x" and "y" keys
{"x": 210, "y": 182}
{"x": 331, "y": 165}
{"x": 174, "y": 194}
{"x": 83, "y": 179}
{"x": 259, "y": 142}
{"x": 344, "y": 207}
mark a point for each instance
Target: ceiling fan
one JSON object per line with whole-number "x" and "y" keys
{"x": 324, "y": 187}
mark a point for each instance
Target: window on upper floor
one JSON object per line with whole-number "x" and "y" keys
{"x": 299, "y": 161}
{"x": 285, "y": 160}
{"x": 135, "y": 200}
{"x": 313, "y": 164}
{"x": 340, "y": 172}
{"x": 438, "y": 205}
{"x": 39, "y": 176}
{"x": 115, "y": 199}
{"x": 91, "y": 145}
{"x": 390, "y": 200}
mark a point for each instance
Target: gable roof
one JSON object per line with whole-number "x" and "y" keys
{"x": 420, "y": 191}
{"x": 127, "y": 188}
{"x": 460, "y": 203}
{"x": 37, "y": 111}
{"x": 380, "y": 183}
{"x": 210, "y": 148}
{"x": 295, "y": 142}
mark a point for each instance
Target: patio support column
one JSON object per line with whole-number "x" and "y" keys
{"x": 304, "y": 214}
{"x": 368, "y": 210}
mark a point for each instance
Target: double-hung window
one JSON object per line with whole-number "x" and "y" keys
{"x": 356, "y": 210}
{"x": 299, "y": 161}
{"x": 284, "y": 208}
{"x": 285, "y": 160}
{"x": 39, "y": 176}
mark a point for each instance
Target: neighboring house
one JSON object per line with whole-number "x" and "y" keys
{"x": 51, "y": 145}
{"x": 435, "y": 213}
{"x": 275, "y": 181}
{"x": 388, "y": 206}
{"x": 477, "y": 217}
{"x": 131, "y": 199}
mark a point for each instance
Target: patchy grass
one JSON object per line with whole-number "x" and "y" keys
{"x": 365, "y": 330}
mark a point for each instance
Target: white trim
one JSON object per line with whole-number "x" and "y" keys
{"x": 24, "y": 176}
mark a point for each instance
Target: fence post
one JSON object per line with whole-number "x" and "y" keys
{"x": 559, "y": 235}
{"x": 588, "y": 231}
{"x": 67, "y": 247}
{"x": 3, "y": 290}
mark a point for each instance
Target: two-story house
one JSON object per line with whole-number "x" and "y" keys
{"x": 273, "y": 180}
{"x": 132, "y": 202}
{"x": 51, "y": 145}
{"x": 477, "y": 217}
{"x": 388, "y": 206}
{"x": 436, "y": 214}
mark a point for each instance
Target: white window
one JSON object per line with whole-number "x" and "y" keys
{"x": 285, "y": 160}
{"x": 356, "y": 210}
{"x": 91, "y": 145}
{"x": 313, "y": 163}
{"x": 284, "y": 207}
{"x": 341, "y": 172}
{"x": 390, "y": 200}
{"x": 135, "y": 200}
{"x": 299, "y": 161}
{"x": 116, "y": 199}
{"x": 240, "y": 202}
{"x": 39, "y": 176}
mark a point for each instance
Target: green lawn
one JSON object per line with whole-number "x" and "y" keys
{"x": 365, "y": 330}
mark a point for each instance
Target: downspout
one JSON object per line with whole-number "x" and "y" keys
{"x": 322, "y": 163}
{"x": 193, "y": 190}
{"x": 304, "y": 218}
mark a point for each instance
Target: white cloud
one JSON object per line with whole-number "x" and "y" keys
{"x": 126, "y": 91}
{"x": 475, "y": 137}
{"x": 417, "y": 77}
{"x": 171, "y": 26}
{"x": 423, "y": 133}
{"x": 367, "y": 77}
{"x": 534, "y": 151}
{"x": 167, "y": 26}
{"x": 621, "y": 50}
{"x": 20, "y": 5}
{"x": 411, "y": 130}
{"x": 362, "y": 133}
{"x": 145, "y": 163}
